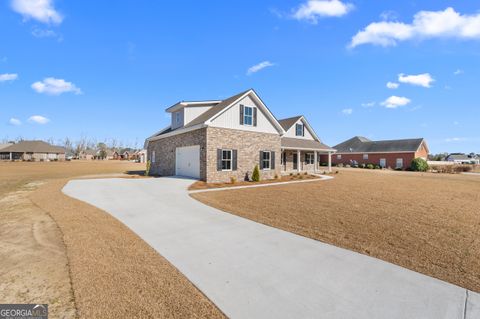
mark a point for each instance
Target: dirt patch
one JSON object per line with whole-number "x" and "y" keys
{"x": 115, "y": 273}
{"x": 33, "y": 261}
{"x": 296, "y": 177}
{"x": 429, "y": 223}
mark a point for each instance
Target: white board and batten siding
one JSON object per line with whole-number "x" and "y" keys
{"x": 187, "y": 161}
{"x": 231, "y": 118}
{"x": 291, "y": 132}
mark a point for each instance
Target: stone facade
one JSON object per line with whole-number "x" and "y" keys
{"x": 165, "y": 148}
{"x": 288, "y": 166}
{"x": 248, "y": 145}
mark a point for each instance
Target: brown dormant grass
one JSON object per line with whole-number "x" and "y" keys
{"x": 429, "y": 223}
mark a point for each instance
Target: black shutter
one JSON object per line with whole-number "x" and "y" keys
{"x": 234, "y": 160}
{"x": 272, "y": 158}
{"x": 305, "y": 158}
{"x": 219, "y": 159}
{"x": 261, "y": 160}
{"x": 303, "y": 130}
{"x": 254, "y": 116}
{"x": 241, "y": 114}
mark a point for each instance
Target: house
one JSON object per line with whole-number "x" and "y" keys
{"x": 88, "y": 154}
{"x": 33, "y": 151}
{"x": 460, "y": 158}
{"x": 140, "y": 156}
{"x": 4, "y": 156}
{"x": 396, "y": 154}
{"x": 220, "y": 140}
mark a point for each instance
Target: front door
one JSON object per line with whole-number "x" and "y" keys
{"x": 295, "y": 161}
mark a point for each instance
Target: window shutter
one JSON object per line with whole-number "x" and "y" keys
{"x": 261, "y": 160}
{"x": 272, "y": 159}
{"x": 303, "y": 130}
{"x": 305, "y": 158}
{"x": 219, "y": 159}
{"x": 254, "y": 116}
{"x": 241, "y": 114}
{"x": 234, "y": 160}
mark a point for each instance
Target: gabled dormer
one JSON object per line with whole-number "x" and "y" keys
{"x": 182, "y": 113}
{"x": 298, "y": 127}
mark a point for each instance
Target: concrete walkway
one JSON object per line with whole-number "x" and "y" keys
{"x": 250, "y": 270}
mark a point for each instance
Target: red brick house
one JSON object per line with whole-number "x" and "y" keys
{"x": 397, "y": 154}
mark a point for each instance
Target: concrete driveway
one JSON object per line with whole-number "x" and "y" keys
{"x": 250, "y": 270}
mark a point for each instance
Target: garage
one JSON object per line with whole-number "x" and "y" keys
{"x": 187, "y": 161}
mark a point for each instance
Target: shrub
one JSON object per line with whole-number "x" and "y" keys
{"x": 323, "y": 164}
{"x": 300, "y": 177}
{"x": 340, "y": 164}
{"x": 276, "y": 176}
{"x": 347, "y": 166}
{"x": 233, "y": 180}
{"x": 361, "y": 165}
{"x": 370, "y": 166}
{"x": 378, "y": 167}
{"x": 291, "y": 174}
{"x": 256, "y": 174}
{"x": 419, "y": 165}
{"x": 305, "y": 173}
{"x": 147, "y": 169}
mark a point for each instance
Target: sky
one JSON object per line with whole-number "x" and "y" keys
{"x": 378, "y": 68}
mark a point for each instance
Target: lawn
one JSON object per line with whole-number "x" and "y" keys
{"x": 426, "y": 222}
{"x": 80, "y": 260}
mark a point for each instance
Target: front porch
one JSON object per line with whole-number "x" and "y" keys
{"x": 304, "y": 160}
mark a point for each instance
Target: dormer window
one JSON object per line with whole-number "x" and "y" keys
{"x": 248, "y": 115}
{"x": 299, "y": 130}
{"x": 177, "y": 118}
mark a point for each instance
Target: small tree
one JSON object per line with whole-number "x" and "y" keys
{"x": 419, "y": 165}
{"x": 147, "y": 169}
{"x": 256, "y": 174}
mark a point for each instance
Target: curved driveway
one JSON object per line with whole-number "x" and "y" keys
{"x": 250, "y": 270}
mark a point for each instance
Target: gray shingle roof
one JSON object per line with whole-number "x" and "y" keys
{"x": 2, "y": 146}
{"x": 291, "y": 142}
{"x": 33, "y": 147}
{"x": 359, "y": 144}
{"x": 287, "y": 123}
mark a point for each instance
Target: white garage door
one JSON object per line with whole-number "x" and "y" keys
{"x": 187, "y": 161}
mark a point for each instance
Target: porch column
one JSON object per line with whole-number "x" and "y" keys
{"x": 298, "y": 161}
{"x": 10, "y": 156}
{"x": 329, "y": 162}
{"x": 315, "y": 161}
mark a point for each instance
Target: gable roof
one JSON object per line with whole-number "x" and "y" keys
{"x": 288, "y": 123}
{"x": 359, "y": 144}
{"x": 2, "y": 146}
{"x": 33, "y": 147}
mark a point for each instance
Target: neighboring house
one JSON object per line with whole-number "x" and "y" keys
{"x": 460, "y": 158}
{"x": 396, "y": 154}
{"x": 219, "y": 140}
{"x": 33, "y": 151}
{"x": 87, "y": 154}
{"x": 4, "y": 156}
{"x": 140, "y": 156}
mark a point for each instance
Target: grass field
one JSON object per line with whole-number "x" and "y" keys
{"x": 78, "y": 259}
{"x": 427, "y": 222}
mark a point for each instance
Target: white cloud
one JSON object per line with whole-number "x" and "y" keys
{"x": 347, "y": 111}
{"x": 314, "y": 9}
{"x": 8, "y": 77}
{"x": 395, "y": 101}
{"x": 38, "y": 119}
{"x": 259, "y": 66}
{"x": 458, "y": 72}
{"x": 368, "y": 104}
{"x": 455, "y": 139}
{"x": 426, "y": 24}
{"x": 14, "y": 121}
{"x": 40, "y": 10}
{"x": 45, "y": 33}
{"x": 52, "y": 86}
{"x": 424, "y": 79}
{"x": 392, "y": 85}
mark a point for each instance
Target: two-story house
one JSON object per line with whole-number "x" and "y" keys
{"x": 217, "y": 140}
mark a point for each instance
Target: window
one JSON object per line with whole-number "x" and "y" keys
{"x": 153, "y": 156}
{"x": 226, "y": 160}
{"x": 309, "y": 159}
{"x": 383, "y": 162}
{"x": 339, "y": 156}
{"x": 365, "y": 156}
{"x": 399, "y": 163}
{"x": 177, "y": 118}
{"x": 266, "y": 160}
{"x": 248, "y": 115}
{"x": 299, "y": 129}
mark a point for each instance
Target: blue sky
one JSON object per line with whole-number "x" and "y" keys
{"x": 85, "y": 68}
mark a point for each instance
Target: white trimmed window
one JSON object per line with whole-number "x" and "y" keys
{"x": 339, "y": 156}
{"x": 226, "y": 160}
{"x": 248, "y": 115}
{"x": 177, "y": 118}
{"x": 365, "y": 156}
{"x": 299, "y": 130}
{"x": 309, "y": 158}
{"x": 266, "y": 155}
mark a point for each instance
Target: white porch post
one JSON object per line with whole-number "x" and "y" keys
{"x": 10, "y": 156}
{"x": 329, "y": 161}
{"x": 315, "y": 161}
{"x": 298, "y": 161}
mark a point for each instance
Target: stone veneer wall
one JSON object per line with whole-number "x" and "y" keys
{"x": 164, "y": 149}
{"x": 248, "y": 146}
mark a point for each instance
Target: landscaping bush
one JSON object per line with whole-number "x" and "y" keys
{"x": 256, "y": 174}
{"x": 233, "y": 180}
{"x": 323, "y": 164}
{"x": 378, "y": 167}
{"x": 276, "y": 176}
{"x": 340, "y": 164}
{"x": 419, "y": 165}
{"x": 147, "y": 169}
{"x": 347, "y": 166}
{"x": 361, "y": 165}
{"x": 370, "y": 166}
